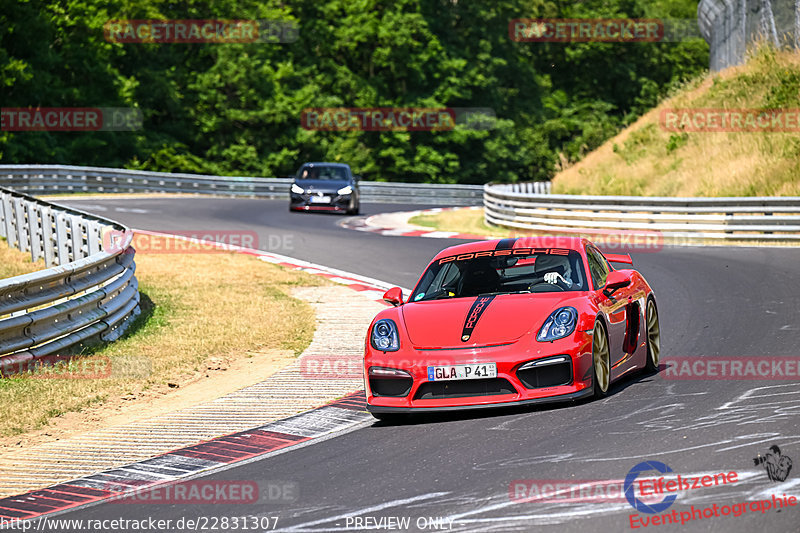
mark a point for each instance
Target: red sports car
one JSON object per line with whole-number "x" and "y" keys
{"x": 510, "y": 322}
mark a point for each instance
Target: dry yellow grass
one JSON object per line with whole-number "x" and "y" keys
{"x": 197, "y": 308}
{"x": 647, "y": 160}
{"x": 15, "y": 263}
{"x": 460, "y": 220}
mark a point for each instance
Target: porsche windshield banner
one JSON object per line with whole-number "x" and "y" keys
{"x": 502, "y": 253}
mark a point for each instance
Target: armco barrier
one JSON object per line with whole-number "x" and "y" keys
{"x": 86, "y": 293}
{"x": 53, "y": 179}
{"x": 676, "y": 219}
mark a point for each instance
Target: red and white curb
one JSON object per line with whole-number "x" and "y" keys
{"x": 373, "y": 224}
{"x": 188, "y": 462}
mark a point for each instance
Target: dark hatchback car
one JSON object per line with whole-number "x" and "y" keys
{"x": 325, "y": 187}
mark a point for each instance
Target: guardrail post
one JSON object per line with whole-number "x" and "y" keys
{"x": 23, "y": 226}
{"x": 94, "y": 237}
{"x": 47, "y": 236}
{"x": 77, "y": 226}
{"x": 5, "y": 212}
{"x": 14, "y": 234}
{"x": 61, "y": 239}
{"x": 34, "y": 231}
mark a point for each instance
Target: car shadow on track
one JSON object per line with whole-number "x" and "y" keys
{"x": 493, "y": 412}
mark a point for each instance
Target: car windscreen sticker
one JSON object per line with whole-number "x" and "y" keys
{"x": 475, "y": 312}
{"x": 505, "y": 244}
{"x": 504, "y": 253}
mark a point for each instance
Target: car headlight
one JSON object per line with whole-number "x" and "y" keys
{"x": 297, "y": 189}
{"x": 384, "y": 336}
{"x": 559, "y": 324}
{"x": 345, "y": 190}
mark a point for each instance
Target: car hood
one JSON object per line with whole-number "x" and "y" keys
{"x": 502, "y": 319}
{"x": 320, "y": 185}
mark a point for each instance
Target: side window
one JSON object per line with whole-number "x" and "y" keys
{"x": 597, "y": 267}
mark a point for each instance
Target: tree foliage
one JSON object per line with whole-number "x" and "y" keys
{"x": 235, "y": 108}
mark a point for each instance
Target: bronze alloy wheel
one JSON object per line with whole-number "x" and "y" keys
{"x": 601, "y": 359}
{"x": 653, "y": 337}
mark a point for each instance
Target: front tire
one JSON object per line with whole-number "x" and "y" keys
{"x": 653, "y": 337}
{"x": 601, "y": 361}
{"x": 353, "y": 208}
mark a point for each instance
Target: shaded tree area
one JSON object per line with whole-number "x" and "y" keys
{"x": 234, "y": 109}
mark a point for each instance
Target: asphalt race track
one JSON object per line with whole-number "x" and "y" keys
{"x": 454, "y": 472}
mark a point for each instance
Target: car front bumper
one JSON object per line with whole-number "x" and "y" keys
{"x": 512, "y": 386}
{"x": 305, "y": 202}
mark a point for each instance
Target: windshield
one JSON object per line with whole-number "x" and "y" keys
{"x": 322, "y": 172}
{"x": 499, "y": 272}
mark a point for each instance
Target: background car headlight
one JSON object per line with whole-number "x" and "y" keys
{"x": 384, "y": 336}
{"x": 345, "y": 190}
{"x": 559, "y": 324}
{"x": 297, "y": 189}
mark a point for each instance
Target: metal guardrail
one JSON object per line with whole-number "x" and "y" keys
{"x": 50, "y": 179}
{"x": 87, "y": 292}
{"x": 682, "y": 219}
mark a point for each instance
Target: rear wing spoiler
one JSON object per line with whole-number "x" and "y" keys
{"x": 619, "y": 258}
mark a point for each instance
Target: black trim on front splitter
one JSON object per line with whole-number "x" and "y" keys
{"x": 474, "y": 314}
{"x": 549, "y": 399}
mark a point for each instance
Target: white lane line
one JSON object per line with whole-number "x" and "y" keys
{"x": 439, "y": 234}
{"x": 359, "y": 512}
{"x": 93, "y": 207}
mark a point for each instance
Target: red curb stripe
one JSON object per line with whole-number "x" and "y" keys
{"x": 359, "y": 287}
{"x": 61, "y": 496}
{"x": 224, "y": 451}
{"x": 12, "y": 513}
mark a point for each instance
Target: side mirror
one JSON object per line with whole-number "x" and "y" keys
{"x": 357, "y": 177}
{"x": 616, "y": 280}
{"x": 394, "y": 296}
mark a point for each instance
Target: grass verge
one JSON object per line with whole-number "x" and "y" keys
{"x": 645, "y": 159}
{"x": 200, "y": 311}
{"x": 460, "y": 220}
{"x": 15, "y": 263}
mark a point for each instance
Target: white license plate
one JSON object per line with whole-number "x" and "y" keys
{"x": 320, "y": 199}
{"x": 472, "y": 371}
